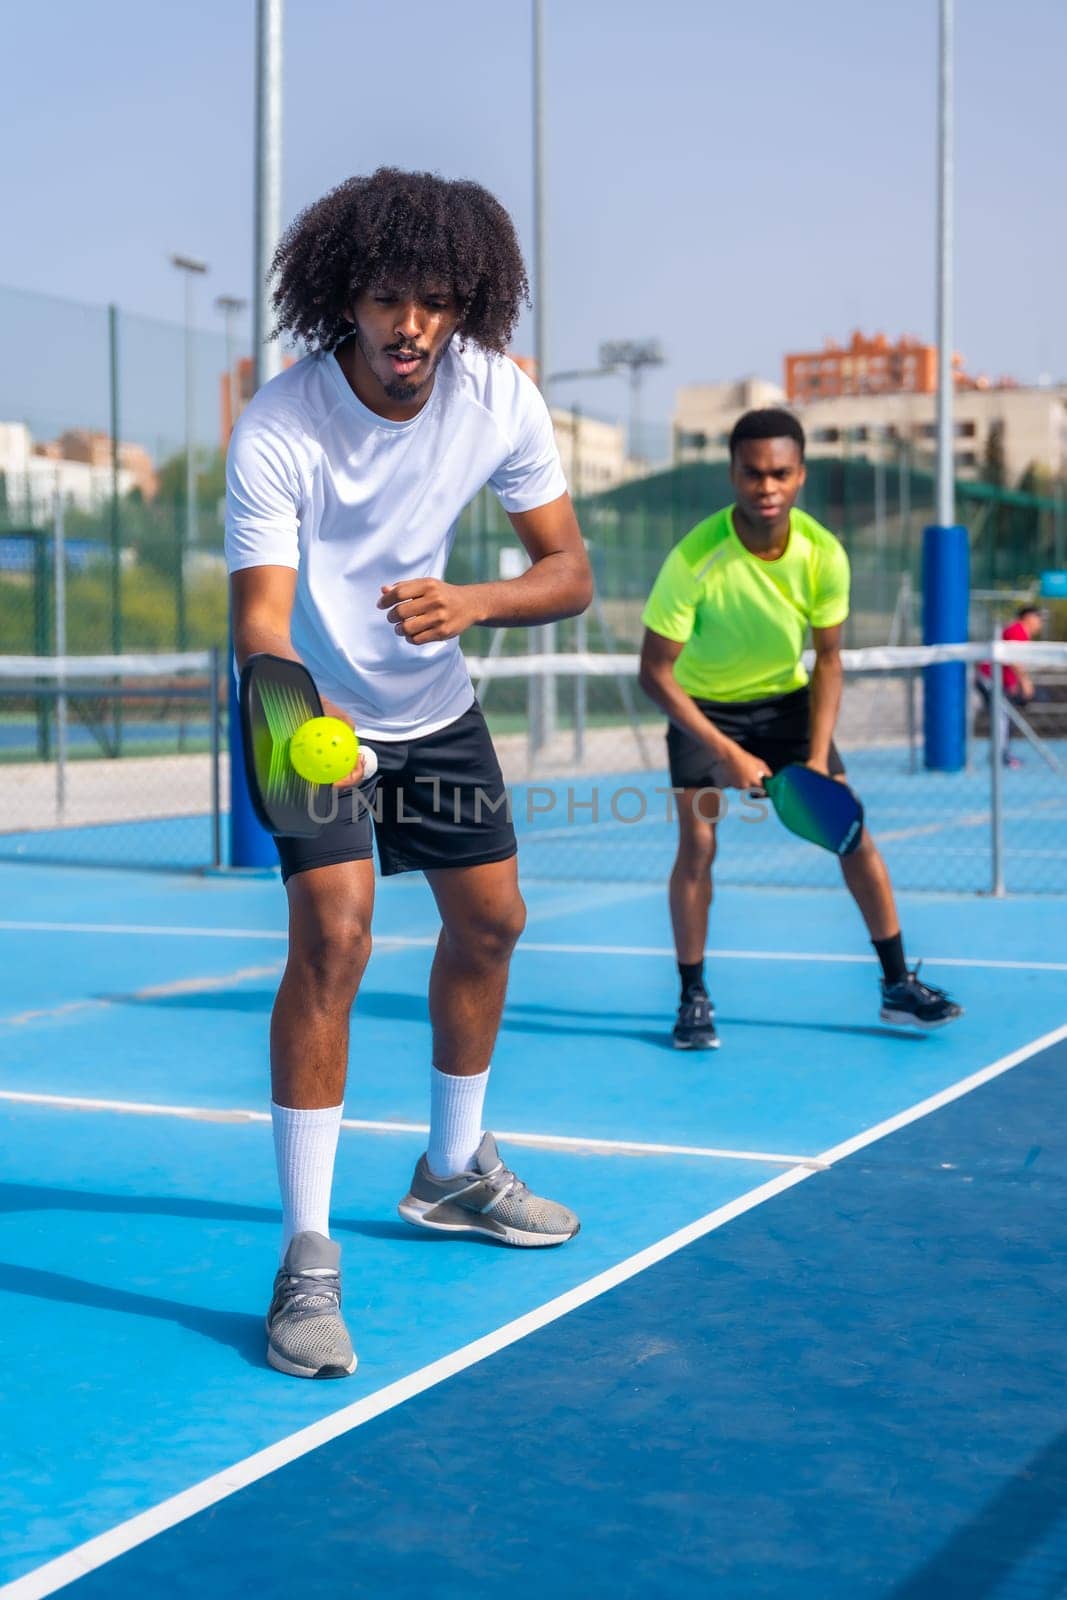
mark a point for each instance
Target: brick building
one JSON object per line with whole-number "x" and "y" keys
{"x": 867, "y": 366}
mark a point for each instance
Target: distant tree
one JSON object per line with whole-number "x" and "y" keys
{"x": 994, "y": 459}
{"x": 210, "y": 468}
{"x": 210, "y": 477}
{"x": 1036, "y": 479}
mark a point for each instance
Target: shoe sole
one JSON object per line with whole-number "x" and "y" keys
{"x": 905, "y": 1019}
{"x": 417, "y": 1213}
{"x": 692, "y": 1044}
{"x": 332, "y": 1370}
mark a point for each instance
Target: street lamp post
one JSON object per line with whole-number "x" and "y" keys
{"x": 192, "y": 269}
{"x": 635, "y": 354}
{"x": 541, "y": 692}
{"x": 266, "y": 352}
{"x": 250, "y": 844}
{"x": 946, "y": 555}
{"x": 231, "y": 305}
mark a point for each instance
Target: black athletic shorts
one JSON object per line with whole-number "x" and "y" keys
{"x": 776, "y": 729}
{"x": 436, "y": 801}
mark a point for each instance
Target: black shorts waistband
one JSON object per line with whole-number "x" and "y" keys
{"x": 787, "y": 702}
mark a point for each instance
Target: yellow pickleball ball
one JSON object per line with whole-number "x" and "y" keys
{"x": 323, "y": 750}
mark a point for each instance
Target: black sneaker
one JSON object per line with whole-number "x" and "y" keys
{"x": 695, "y": 1027}
{"x": 910, "y": 1003}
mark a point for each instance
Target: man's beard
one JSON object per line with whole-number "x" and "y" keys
{"x": 402, "y": 390}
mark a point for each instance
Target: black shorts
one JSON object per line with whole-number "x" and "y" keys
{"x": 777, "y": 729}
{"x": 437, "y": 801}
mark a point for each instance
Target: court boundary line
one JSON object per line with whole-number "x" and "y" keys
{"x": 125, "y": 1536}
{"x": 396, "y": 941}
{"x": 540, "y": 1141}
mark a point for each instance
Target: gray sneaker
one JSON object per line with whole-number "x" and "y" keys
{"x": 305, "y": 1334}
{"x": 489, "y": 1200}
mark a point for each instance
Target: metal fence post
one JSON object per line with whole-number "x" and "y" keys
{"x": 997, "y": 754}
{"x": 59, "y": 574}
{"x": 216, "y": 763}
{"x": 581, "y": 645}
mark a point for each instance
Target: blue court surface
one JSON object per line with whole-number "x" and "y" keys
{"x": 809, "y": 1342}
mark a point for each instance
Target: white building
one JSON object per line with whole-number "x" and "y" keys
{"x": 593, "y": 452}
{"x": 32, "y": 481}
{"x": 1033, "y": 422}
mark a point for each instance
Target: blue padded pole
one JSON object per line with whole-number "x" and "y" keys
{"x": 946, "y": 599}
{"x": 250, "y": 843}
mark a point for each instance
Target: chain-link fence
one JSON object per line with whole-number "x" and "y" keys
{"x": 103, "y": 548}
{"x": 100, "y": 412}
{"x": 592, "y": 802}
{"x": 596, "y": 803}
{"x": 112, "y": 760}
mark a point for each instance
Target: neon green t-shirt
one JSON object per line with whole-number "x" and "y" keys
{"x": 744, "y": 621}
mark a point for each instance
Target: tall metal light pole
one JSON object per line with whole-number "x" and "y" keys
{"x": 946, "y": 484}
{"x": 266, "y": 353}
{"x": 192, "y": 269}
{"x": 946, "y": 556}
{"x": 636, "y": 355}
{"x": 231, "y": 305}
{"x": 541, "y": 695}
{"x": 539, "y": 319}
{"x": 251, "y": 844}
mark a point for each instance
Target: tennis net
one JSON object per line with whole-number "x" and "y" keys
{"x": 118, "y": 760}
{"x": 593, "y": 800}
{"x": 111, "y": 760}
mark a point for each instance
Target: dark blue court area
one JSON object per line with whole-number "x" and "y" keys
{"x": 808, "y": 1343}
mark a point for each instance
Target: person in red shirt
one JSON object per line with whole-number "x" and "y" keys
{"x": 1016, "y": 682}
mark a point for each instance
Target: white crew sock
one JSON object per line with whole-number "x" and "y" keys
{"x": 455, "y": 1121}
{"x": 305, "y": 1144}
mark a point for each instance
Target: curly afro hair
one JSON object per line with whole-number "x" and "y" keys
{"x": 409, "y": 230}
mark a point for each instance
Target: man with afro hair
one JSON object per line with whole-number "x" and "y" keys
{"x": 345, "y": 479}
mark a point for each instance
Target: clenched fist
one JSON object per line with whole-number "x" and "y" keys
{"x": 423, "y": 610}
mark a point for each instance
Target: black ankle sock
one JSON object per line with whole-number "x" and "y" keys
{"x": 692, "y": 976}
{"x": 891, "y": 955}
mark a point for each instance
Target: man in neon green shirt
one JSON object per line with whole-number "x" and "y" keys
{"x": 725, "y": 627}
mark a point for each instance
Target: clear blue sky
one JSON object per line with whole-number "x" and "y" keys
{"x": 733, "y": 180}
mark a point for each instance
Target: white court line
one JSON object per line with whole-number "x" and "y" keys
{"x": 970, "y": 819}
{"x": 153, "y": 991}
{"x": 127, "y": 1535}
{"x": 142, "y": 928}
{"x": 831, "y": 957}
{"x": 944, "y": 1097}
{"x": 391, "y": 941}
{"x": 542, "y": 1141}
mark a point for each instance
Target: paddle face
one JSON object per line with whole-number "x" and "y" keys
{"x": 277, "y": 697}
{"x": 816, "y": 808}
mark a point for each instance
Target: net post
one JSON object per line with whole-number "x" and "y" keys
{"x": 997, "y": 753}
{"x": 946, "y": 598}
{"x": 913, "y": 756}
{"x": 216, "y": 762}
{"x": 41, "y": 630}
{"x": 59, "y": 574}
{"x": 581, "y": 645}
{"x": 115, "y": 514}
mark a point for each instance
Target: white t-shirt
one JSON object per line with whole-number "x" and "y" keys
{"x": 316, "y": 481}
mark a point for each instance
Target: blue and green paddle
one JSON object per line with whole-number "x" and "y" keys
{"x": 293, "y": 753}
{"x": 816, "y": 808}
